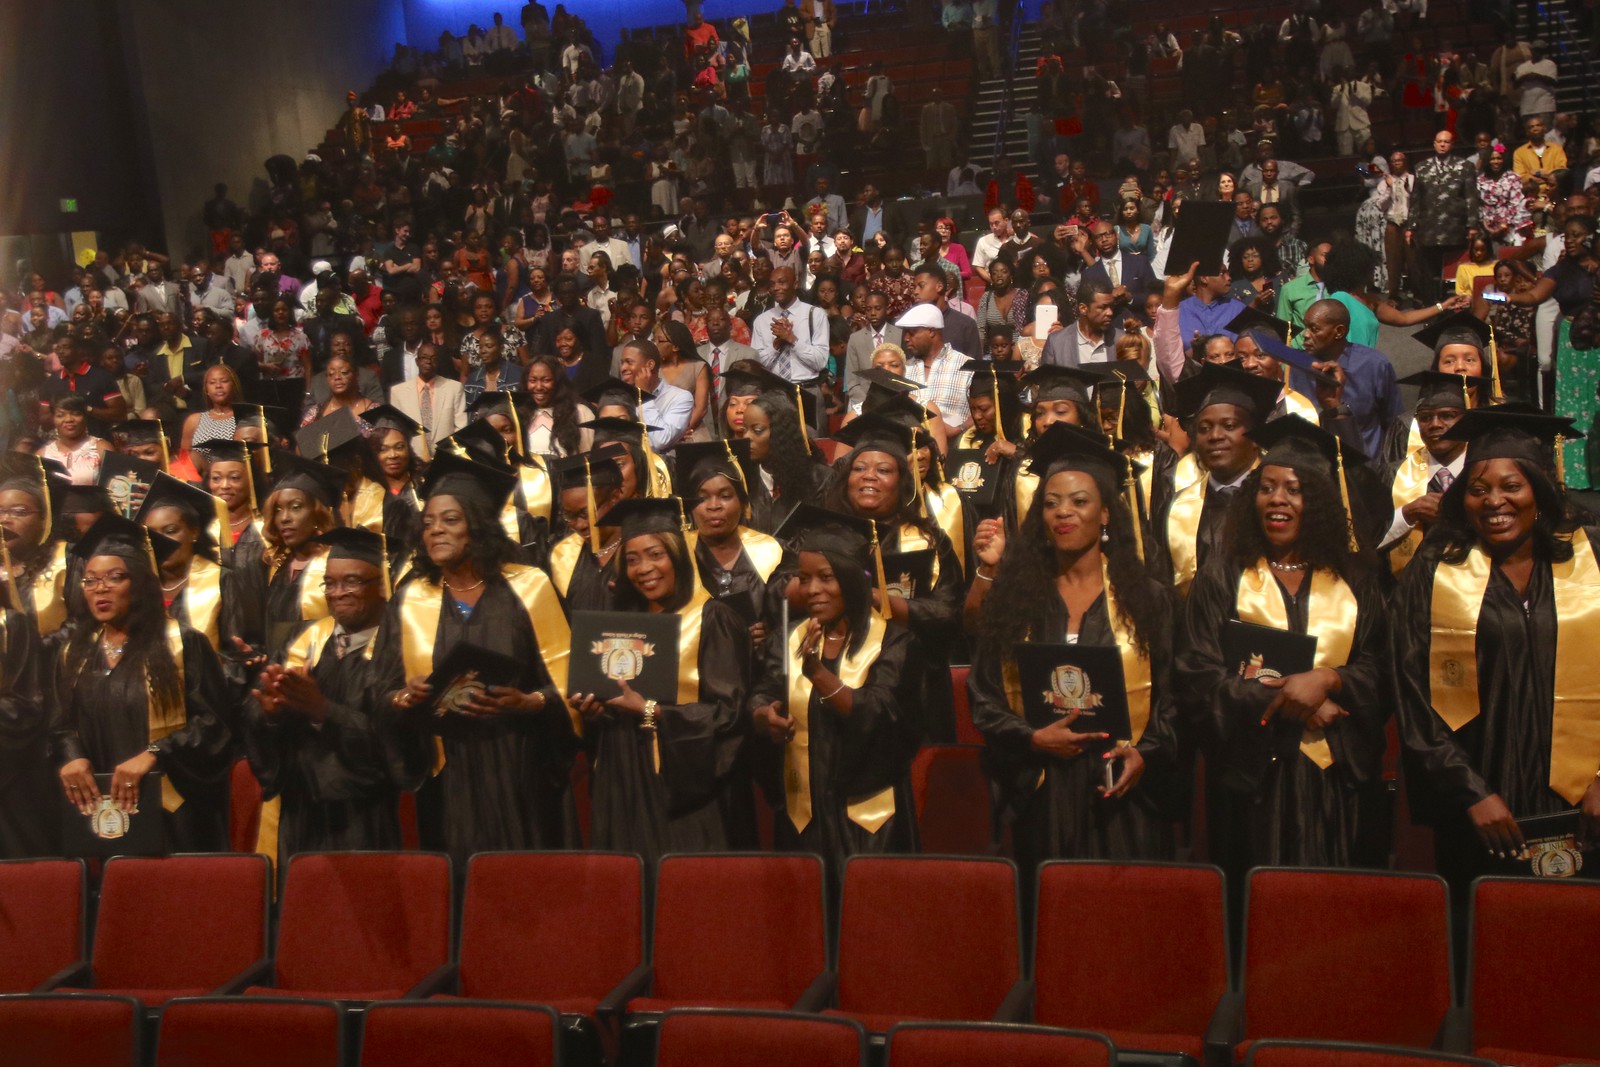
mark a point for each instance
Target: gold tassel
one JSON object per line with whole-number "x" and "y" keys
{"x": 883, "y": 581}
{"x": 1122, "y": 404}
{"x": 800, "y": 410}
{"x": 1344, "y": 497}
{"x": 1494, "y": 368}
{"x": 150, "y": 554}
{"x": 11, "y": 577}
{"x": 1561, "y": 460}
{"x": 44, "y": 499}
{"x": 266, "y": 453}
{"x": 738, "y": 470}
{"x": 516, "y": 429}
{"x": 383, "y": 562}
{"x": 999, "y": 422}
{"x": 589, "y": 508}
{"x": 1131, "y": 488}
{"x": 1466, "y": 394}
{"x": 166, "y": 454}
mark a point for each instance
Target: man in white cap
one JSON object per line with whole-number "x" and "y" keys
{"x": 308, "y": 291}
{"x": 933, "y": 364}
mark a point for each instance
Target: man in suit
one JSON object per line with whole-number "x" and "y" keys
{"x": 1127, "y": 275}
{"x": 437, "y": 403}
{"x": 720, "y": 351}
{"x": 216, "y": 345}
{"x": 1093, "y": 337}
{"x": 595, "y": 367}
{"x": 873, "y": 216}
{"x": 1444, "y": 207}
{"x": 1244, "y": 217}
{"x": 830, "y": 202}
{"x": 1270, "y": 189}
{"x": 157, "y": 294}
{"x": 397, "y": 359}
{"x": 858, "y": 351}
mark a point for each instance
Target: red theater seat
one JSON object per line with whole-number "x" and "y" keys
{"x": 951, "y": 795}
{"x": 56, "y": 1030}
{"x": 962, "y": 1044}
{"x": 443, "y": 1033}
{"x": 250, "y": 1032}
{"x": 1345, "y": 1054}
{"x": 702, "y": 1038}
{"x": 42, "y": 923}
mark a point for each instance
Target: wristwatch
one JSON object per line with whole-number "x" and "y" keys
{"x": 648, "y": 722}
{"x": 154, "y": 751}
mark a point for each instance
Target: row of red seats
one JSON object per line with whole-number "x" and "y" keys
{"x": 1137, "y": 952}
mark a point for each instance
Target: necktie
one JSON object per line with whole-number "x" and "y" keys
{"x": 781, "y": 358}
{"x": 716, "y": 374}
{"x": 341, "y": 644}
{"x": 425, "y": 406}
{"x": 1111, "y": 270}
{"x": 877, "y": 338}
{"x": 1441, "y": 480}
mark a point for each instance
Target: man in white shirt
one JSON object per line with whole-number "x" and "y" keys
{"x": 791, "y": 337}
{"x": 502, "y": 38}
{"x": 935, "y": 366}
{"x": 1427, "y": 472}
{"x": 668, "y": 408}
{"x": 615, "y": 248}
{"x": 720, "y": 351}
{"x": 988, "y": 246}
{"x": 1186, "y": 137}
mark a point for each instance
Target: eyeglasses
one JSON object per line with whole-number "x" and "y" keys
{"x": 19, "y": 512}
{"x": 105, "y": 581}
{"x": 346, "y": 585}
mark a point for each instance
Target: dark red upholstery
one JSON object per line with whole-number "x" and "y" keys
{"x": 362, "y": 925}
{"x": 244, "y": 808}
{"x": 1535, "y": 1001}
{"x": 52, "y": 1030}
{"x": 951, "y": 795}
{"x": 739, "y": 1039}
{"x": 926, "y": 939}
{"x": 551, "y": 927}
{"x": 768, "y": 941}
{"x": 944, "y": 1045}
{"x": 1381, "y": 940}
{"x": 1160, "y": 987}
{"x": 180, "y": 926}
{"x": 446, "y": 1034}
{"x": 249, "y": 1032}
{"x": 1337, "y": 1054}
{"x": 41, "y": 921}
{"x": 966, "y": 732}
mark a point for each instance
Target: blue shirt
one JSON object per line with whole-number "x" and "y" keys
{"x": 668, "y": 411}
{"x": 1371, "y": 392}
{"x": 1194, "y": 314}
{"x": 871, "y": 224}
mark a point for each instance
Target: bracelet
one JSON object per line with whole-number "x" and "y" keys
{"x": 841, "y": 689}
{"x": 983, "y": 576}
{"x": 648, "y": 722}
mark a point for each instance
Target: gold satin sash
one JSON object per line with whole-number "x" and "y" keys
{"x": 1410, "y": 482}
{"x": 313, "y": 601}
{"x": 1331, "y": 614}
{"x": 49, "y": 592}
{"x": 366, "y": 507}
{"x": 1027, "y": 485}
{"x": 762, "y": 550}
{"x": 912, "y": 539}
{"x": 691, "y": 618}
{"x": 564, "y": 560}
{"x": 869, "y": 813}
{"x": 1296, "y": 403}
{"x": 202, "y": 600}
{"x": 660, "y": 485}
{"x": 944, "y": 504}
{"x": 165, "y": 720}
{"x": 969, "y": 438}
{"x": 534, "y": 480}
{"x": 1458, "y": 590}
{"x": 1189, "y": 482}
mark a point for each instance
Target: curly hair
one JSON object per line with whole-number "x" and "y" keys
{"x": 1453, "y": 536}
{"x": 1324, "y": 538}
{"x": 1348, "y": 268}
{"x": 487, "y": 542}
{"x": 1266, "y": 248}
{"x": 563, "y": 402}
{"x": 147, "y": 638}
{"x": 836, "y": 493}
{"x": 276, "y": 552}
{"x": 788, "y": 460}
{"x": 1025, "y": 584}
{"x": 628, "y": 598}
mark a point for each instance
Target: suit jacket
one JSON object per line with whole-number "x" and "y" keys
{"x": 1135, "y": 273}
{"x": 243, "y": 362}
{"x": 858, "y": 357}
{"x": 732, "y": 352}
{"x": 1444, "y": 201}
{"x": 1061, "y": 350}
{"x": 1288, "y": 198}
{"x": 961, "y": 333}
{"x": 595, "y": 367}
{"x": 321, "y": 328}
{"x": 449, "y": 408}
{"x": 891, "y": 223}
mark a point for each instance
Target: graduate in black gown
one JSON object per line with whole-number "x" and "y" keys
{"x": 583, "y": 564}
{"x": 1294, "y": 763}
{"x": 492, "y": 770}
{"x": 304, "y": 504}
{"x": 34, "y": 560}
{"x": 231, "y": 478}
{"x": 1497, "y": 621}
{"x": 741, "y": 566}
{"x": 788, "y": 465}
{"x": 136, "y": 692}
{"x": 198, "y": 591}
{"x": 27, "y": 791}
{"x": 340, "y": 441}
{"x": 996, "y": 410}
{"x": 838, "y": 704}
{"x": 392, "y": 434}
{"x": 532, "y": 502}
{"x": 1054, "y": 394}
{"x": 308, "y": 724}
{"x": 668, "y": 776}
{"x": 1073, "y": 573}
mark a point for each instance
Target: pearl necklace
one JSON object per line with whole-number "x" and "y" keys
{"x": 1275, "y": 565}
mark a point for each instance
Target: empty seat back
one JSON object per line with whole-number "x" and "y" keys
{"x": 701, "y": 1038}
{"x": 951, "y": 794}
{"x": 444, "y": 1034}
{"x": 1349, "y": 1054}
{"x": 58, "y": 1030}
{"x": 249, "y": 1032}
{"x": 959, "y": 1045}
{"x": 42, "y": 925}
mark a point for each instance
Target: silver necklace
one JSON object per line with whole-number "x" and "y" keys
{"x": 1275, "y": 565}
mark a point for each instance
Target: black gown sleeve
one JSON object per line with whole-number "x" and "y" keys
{"x": 201, "y": 753}
{"x": 406, "y": 741}
{"x": 885, "y": 726}
{"x": 701, "y": 742}
{"x": 1358, "y": 740}
{"x": 24, "y": 721}
{"x": 935, "y": 617}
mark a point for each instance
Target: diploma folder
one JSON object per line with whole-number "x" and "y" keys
{"x": 1252, "y": 651}
{"x": 1058, "y": 679}
{"x": 637, "y": 647}
{"x": 909, "y": 574}
{"x": 1200, "y": 236}
{"x": 1552, "y": 842}
{"x": 471, "y": 669}
{"x": 111, "y": 831}
{"x": 972, "y": 477}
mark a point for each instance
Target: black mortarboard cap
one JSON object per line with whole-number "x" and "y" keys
{"x": 140, "y": 432}
{"x": 84, "y": 500}
{"x": 897, "y": 407}
{"x": 1453, "y": 328}
{"x": 315, "y": 479}
{"x": 615, "y": 391}
{"x": 1216, "y": 384}
{"x": 600, "y": 468}
{"x": 641, "y": 515}
{"x": 612, "y": 428}
{"x": 201, "y": 508}
{"x": 113, "y": 535}
{"x": 389, "y": 417}
{"x": 231, "y": 451}
{"x": 697, "y": 461}
{"x": 1063, "y": 446}
{"x": 455, "y": 475}
{"x": 884, "y": 378}
{"x": 1513, "y": 431}
{"x": 810, "y": 528}
{"x": 747, "y": 377}
{"x": 1298, "y": 358}
{"x": 1065, "y": 383}
{"x": 877, "y": 432}
{"x": 1256, "y": 322}
{"x": 322, "y": 439}
{"x": 477, "y": 441}
{"x": 352, "y": 542}
{"x": 1436, "y": 389}
{"x": 1300, "y": 444}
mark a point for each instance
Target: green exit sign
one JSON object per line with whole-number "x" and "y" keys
{"x": 69, "y": 205}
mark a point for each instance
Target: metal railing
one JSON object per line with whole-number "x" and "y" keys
{"x": 1567, "y": 43}
{"x": 1008, "y": 98}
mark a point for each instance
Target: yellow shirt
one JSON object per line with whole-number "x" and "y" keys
{"x": 1466, "y": 273}
{"x": 1525, "y": 160}
{"x": 174, "y": 358}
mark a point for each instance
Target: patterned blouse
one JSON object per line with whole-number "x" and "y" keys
{"x": 1504, "y": 204}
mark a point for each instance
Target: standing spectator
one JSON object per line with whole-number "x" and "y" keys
{"x": 1539, "y": 162}
{"x": 1349, "y": 99}
{"x": 1537, "y": 79}
{"x": 990, "y": 244}
{"x": 1367, "y": 379}
{"x": 938, "y": 130}
{"x": 985, "y": 39}
{"x": 1186, "y": 138}
{"x": 792, "y": 336}
{"x": 777, "y": 146}
{"x": 1503, "y": 204}
{"x": 1444, "y": 206}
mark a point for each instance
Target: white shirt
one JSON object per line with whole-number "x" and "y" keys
{"x": 985, "y": 250}
{"x": 668, "y": 411}
{"x": 1399, "y": 527}
{"x": 802, "y": 360}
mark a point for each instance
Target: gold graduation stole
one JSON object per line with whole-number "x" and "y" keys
{"x": 1331, "y": 615}
{"x": 1189, "y": 482}
{"x": 912, "y": 539}
{"x": 1458, "y": 591}
{"x": 422, "y": 603}
{"x": 564, "y": 560}
{"x": 1413, "y": 438}
{"x": 762, "y": 550}
{"x": 1027, "y": 485}
{"x": 660, "y": 484}
{"x": 202, "y": 600}
{"x": 1410, "y": 482}
{"x": 690, "y": 619}
{"x": 1296, "y": 403}
{"x": 49, "y": 592}
{"x": 313, "y": 602}
{"x": 164, "y": 719}
{"x": 366, "y": 507}
{"x": 944, "y": 505}
{"x": 534, "y": 481}
{"x": 307, "y": 648}
{"x": 870, "y": 812}
{"x": 970, "y": 438}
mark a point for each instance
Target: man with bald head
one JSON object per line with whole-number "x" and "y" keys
{"x": 791, "y": 336}
{"x": 1367, "y": 382}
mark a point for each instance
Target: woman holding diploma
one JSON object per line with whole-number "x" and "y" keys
{"x": 1073, "y": 573}
{"x": 668, "y": 777}
{"x": 837, "y": 704}
{"x": 1293, "y": 756}
{"x": 1498, "y": 620}
{"x": 490, "y": 768}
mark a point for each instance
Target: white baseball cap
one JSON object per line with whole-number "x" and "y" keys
{"x": 921, "y": 317}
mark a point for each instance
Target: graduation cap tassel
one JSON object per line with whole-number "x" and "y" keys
{"x": 999, "y": 422}
{"x": 589, "y": 508}
{"x": 1496, "y": 393}
{"x": 1131, "y": 488}
{"x": 1122, "y": 405}
{"x": 1344, "y": 497}
{"x": 266, "y": 453}
{"x": 883, "y": 580}
{"x": 44, "y": 497}
{"x": 800, "y": 409}
{"x": 1561, "y": 460}
{"x": 738, "y": 470}
{"x": 383, "y": 562}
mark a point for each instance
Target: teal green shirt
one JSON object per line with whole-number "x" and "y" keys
{"x": 1363, "y": 323}
{"x": 1295, "y": 297}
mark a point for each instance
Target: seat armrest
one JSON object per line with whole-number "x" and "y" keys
{"x": 258, "y": 973}
{"x": 1018, "y": 1005}
{"x": 1226, "y": 1030}
{"x": 1455, "y": 1033}
{"x": 635, "y": 985}
{"x": 438, "y": 980}
{"x": 75, "y": 974}
{"x": 819, "y": 994}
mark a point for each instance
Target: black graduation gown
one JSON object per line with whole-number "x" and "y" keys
{"x": 243, "y": 558}
{"x": 104, "y": 717}
{"x": 699, "y": 801}
{"x": 1506, "y": 749}
{"x": 1209, "y": 532}
{"x": 590, "y": 587}
{"x": 29, "y": 793}
{"x": 767, "y": 512}
{"x": 506, "y": 783}
{"x": 334, "y": 779}
{"x": 742, "y": 585}
{"x": 853, "y": 756}
{"x": 237, "y": 617}
{"x": 402, "y": 524}
{"x": 283, "y": 608}
{"x": 1269, "y": 804}
{"x": 934, "y": 618}
{"x": 1050, "y": 802}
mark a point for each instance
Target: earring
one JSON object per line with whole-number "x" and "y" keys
{"x": 1105, "y": 535}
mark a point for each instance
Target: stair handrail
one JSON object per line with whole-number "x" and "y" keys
{"x": 1563, "y": 38}
{"x": 1008, "y": 92}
